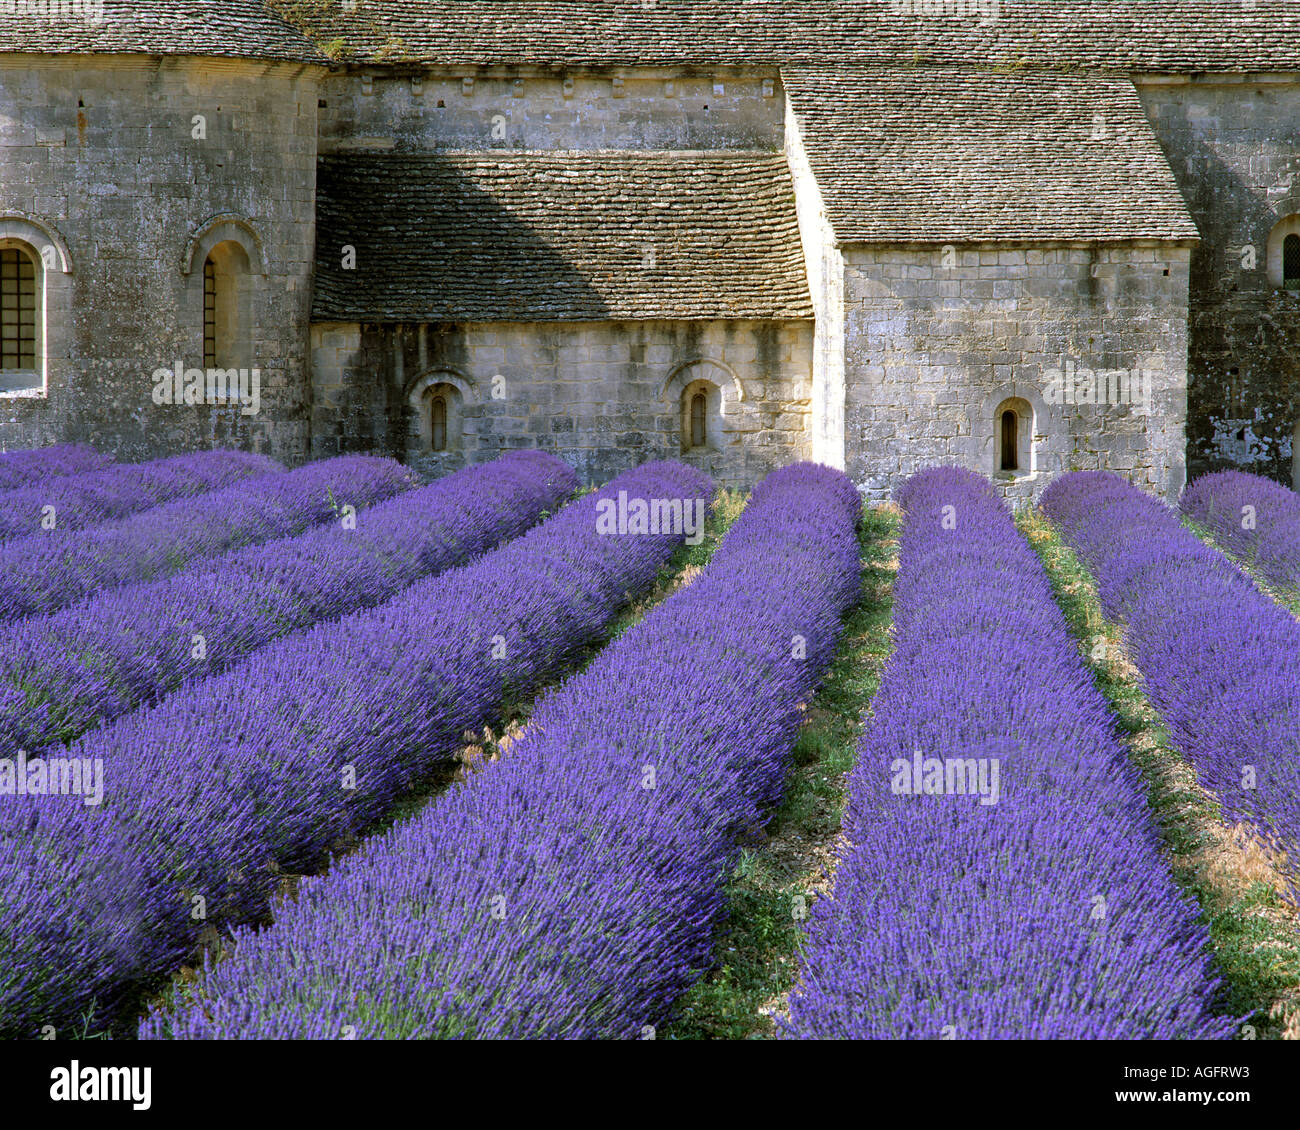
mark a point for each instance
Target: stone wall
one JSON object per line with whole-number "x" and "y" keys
{"x": 99, "y": 159}
{"x": 1234, "y": 147}
{"x": 937, "y": 340}
{"x": 825, "y": 266}
{"x": 907, "y": 363}
{"x": 409, "y": 109}
{"x": 603, "y": 395}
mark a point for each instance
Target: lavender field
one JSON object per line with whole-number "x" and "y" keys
{"x": 333, "y": 753}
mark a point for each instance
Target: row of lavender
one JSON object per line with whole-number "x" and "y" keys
{"x": 1220, "y": 660}
{"x": 213, "y": 793}
{"x": 574, "y": 889}
{"x": 1003, "y": 880}
{"x": 42, "y": 573}
{"x": 1254, "y": 519}
{"x": 28, "y": 468}
{"x": 63, "y": 674}
{"x": 76, "y": 501}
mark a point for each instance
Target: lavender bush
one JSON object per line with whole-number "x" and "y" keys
{"x": 1220, "y": 661}
{"x": 1024, "y": 896}
{"x": 1255, "y": 519}
{"x": 45, "y": 572}
{"x": 61, "y": 675}
{"x": 30, "y": 468}
{"x": 573, "y": 888}
{"x": 115, "y": 492}
{"x": 213, "y": 792}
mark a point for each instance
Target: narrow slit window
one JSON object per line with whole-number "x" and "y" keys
{"x": 209, "y": 314}
{"x": 1291, "y": 262}
{"x": 699, "y": 406}
{"x": 1010, "y": 440}
{"x": 17, "y": 310}
{"x": 438, "y": 423}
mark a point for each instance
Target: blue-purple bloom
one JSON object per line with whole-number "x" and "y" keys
{"x": 214, "y": 792}
{"x": 75, "y": 502}
{"x": 1220, "y": 661}
{"x": 45, "y": 572}
{"x": 1255, "y": 519}
{"x": 30, "y": 468}
{"x": 1038, "y": 907}
{"x": 574, "y": 888}
{"x": 63, "y": 674}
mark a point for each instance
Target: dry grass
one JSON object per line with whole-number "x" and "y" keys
{"x": 1238, "y": 880}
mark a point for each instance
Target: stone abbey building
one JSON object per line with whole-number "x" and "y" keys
{"x": 1024, "y": 236}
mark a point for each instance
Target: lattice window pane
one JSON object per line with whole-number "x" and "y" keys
{"x": 17, "y": 310}
{"x": 209, "y": 315}
{"x": 1291, "y": 260}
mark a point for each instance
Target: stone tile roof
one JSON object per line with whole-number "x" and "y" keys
{"x": 1127, "y": 35}
{"x": 558, "y": 236}
{"x": 938, "y": 154}
{"x": 231, "y": 28}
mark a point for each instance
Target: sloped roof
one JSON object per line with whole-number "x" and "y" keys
{"x": 1124, "y": 35}
{"x": 230, "y": 28}
{"x": 938, "y": 154}
{"x": 558, "y": 236}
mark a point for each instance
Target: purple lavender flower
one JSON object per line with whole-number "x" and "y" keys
{"x": 1255, "y": 519}
{"x": 210, "y": 795}
{"x": 573, "y": 889}
{"x": 28, "y": 468}
{"x": 1220, "y": 660}
{"x": 75, "y": 502}
{"x": 61, "y": 675}
{"x": 1002, "y": 878}
{"x": 45, "y": 572}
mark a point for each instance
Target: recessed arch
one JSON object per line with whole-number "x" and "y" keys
{"x": 438, "y": 399}
{"x": 701, "y": 416}
{"x": 21, "y": 287}
{"x": 43, "y": 237}
{"x": 221, "y": 228}
{"x": 417, "y": 386}
{"x": 37, "y": 295}
{"x": 717, "y": 373}
{"x": 227, "y": 307}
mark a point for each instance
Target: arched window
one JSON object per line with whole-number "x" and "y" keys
{"x": 1283, "y": 253}
{"x": 18, "y": 312}
{"x": 438, "y": 422}
{"x": 439, "y": 408}
{"x": 699, "y": 412}
{"x": 1013, "y": 437}
{"x": 701, "y": 416}
{"x": 35, "y": 306}
{"x": 226, "y": 286}
{"x": 1010, "y": 440}
{"x": 1291, "y": 262}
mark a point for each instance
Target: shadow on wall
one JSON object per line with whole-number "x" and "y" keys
{"x": 1243, "y": 347}
{"x": 427, "y": 246}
